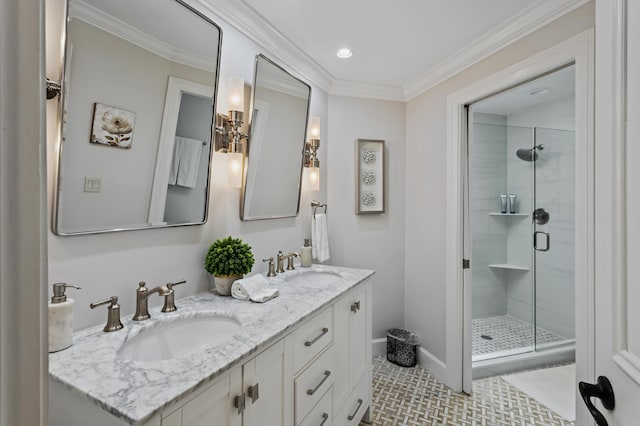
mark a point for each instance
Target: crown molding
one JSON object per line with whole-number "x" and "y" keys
{"x": 529, "y": 20}
{"x": 252, "y": 25}
{"x": 102, "y": 20}
{"x": 367, "y": 90}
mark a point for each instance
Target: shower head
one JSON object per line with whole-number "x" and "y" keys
{"x": 529, "y": 154}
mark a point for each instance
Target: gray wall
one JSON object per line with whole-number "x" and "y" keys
{"x": 373, "y": 241}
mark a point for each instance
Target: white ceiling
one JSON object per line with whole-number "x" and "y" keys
{"x": 401, "y": 47}
{"x": 393, "y": 41}
{"x": 561, "y": 85}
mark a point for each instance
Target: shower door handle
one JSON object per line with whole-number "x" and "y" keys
{"x": 535, "y": 241}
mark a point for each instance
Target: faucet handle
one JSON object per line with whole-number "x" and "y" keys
{"x": 171, "y": 285}
{"x": 169, "y": 299}
{"x": 113, "y": 313}
{"x": 290, "y": 257}
{"x": 272, "y": 272}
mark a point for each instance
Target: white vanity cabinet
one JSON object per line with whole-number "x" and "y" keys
{"x": 256, "y": 394}
{"x": 312, "y": 368}
{"x": 352, "y": 341}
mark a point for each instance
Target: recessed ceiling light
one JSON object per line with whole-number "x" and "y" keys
{"x": 344, "y": 53}
{"x": 539, "y": 91}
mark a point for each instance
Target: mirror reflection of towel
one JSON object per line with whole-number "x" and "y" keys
{"x": 185, "y": 162}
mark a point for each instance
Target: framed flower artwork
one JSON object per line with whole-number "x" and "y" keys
{"x": 112, "y": 126}
{"x": 369, "y": 176}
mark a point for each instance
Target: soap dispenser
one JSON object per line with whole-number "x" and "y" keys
{"x": 305, "y": 254}
{"x": 60, "y": 318}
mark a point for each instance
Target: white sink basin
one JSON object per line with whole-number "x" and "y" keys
{"x": 180, "y": 337}
{"x": 313, "y": 278}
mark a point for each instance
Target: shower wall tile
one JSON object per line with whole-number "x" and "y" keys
{"x": 488, "y": 179}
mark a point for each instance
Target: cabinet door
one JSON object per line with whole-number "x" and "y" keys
{"x": 267, "y": 385}
{"x": 214, "y": 406}
{"x": 359, "y": 335}
{"x": 341, "y": 319}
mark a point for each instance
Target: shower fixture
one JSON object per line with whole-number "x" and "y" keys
{"x": 529, "y": 154}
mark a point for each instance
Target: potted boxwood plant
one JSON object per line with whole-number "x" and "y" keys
{"x": 228, "y": 259}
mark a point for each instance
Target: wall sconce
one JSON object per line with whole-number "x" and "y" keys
{"x": 228, "y": 134}
{"x": 311, "y": 161}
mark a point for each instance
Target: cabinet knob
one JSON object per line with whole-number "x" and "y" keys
{"x": 239, "y": 402}
{"x": 355, "y": 307}
{"x": 253, "y": 392}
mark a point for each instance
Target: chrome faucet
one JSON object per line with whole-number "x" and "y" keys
{"x": 280, "y": 268}
{"x": 290, "y": 257}
{"x": 142, "y": 304}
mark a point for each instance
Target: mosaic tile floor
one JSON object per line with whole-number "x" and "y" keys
{"x": 411, "y": 397}
{"x": 507, "y": 333}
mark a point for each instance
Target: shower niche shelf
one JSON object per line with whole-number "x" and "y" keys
{"x": 509, "y": 266}
{"x": 510, "y": 214}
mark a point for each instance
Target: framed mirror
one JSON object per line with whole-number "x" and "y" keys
{"x": 275, "y": 151}
{"x": 139, "y": 90}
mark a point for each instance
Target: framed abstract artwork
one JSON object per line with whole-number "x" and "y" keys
{"x": 369, "y": 176}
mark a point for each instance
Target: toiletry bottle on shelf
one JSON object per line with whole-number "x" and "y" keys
{"x": 305, "y": 254}
{"x": 512, "y": 203}
{"x": 60, "y": 318}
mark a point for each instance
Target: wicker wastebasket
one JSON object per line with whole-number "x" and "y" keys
{"x": 401, "y": 347}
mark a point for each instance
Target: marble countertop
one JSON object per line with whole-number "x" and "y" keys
{"x": 136, "y": 391}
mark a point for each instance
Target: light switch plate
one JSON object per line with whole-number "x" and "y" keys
{"x": 92, "y": 184}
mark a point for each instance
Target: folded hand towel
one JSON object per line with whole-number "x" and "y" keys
{"x": 255, "y": 288}
{"x": 320, "y": 237}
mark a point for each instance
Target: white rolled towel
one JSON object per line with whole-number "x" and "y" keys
{"x": 255, "y": 288}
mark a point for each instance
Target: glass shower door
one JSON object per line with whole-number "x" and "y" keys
{"x": 554, "y": 236}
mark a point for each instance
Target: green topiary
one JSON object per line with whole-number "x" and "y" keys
{"x": 228, "y": 257}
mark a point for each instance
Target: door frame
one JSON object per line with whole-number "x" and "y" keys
{"x": 579, "y": 50}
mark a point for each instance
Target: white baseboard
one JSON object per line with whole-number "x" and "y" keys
{"x": 426, "y": 359}
{"x": 430, "y": 362}
{"x": 379, "y": 347}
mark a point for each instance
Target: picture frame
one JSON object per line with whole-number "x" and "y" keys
{"x": 370, "y": 179}
{"x": 112, "y": 126}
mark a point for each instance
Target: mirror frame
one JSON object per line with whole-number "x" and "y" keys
{"x": 62, "y": 103}
{"x": 248, "y": 148}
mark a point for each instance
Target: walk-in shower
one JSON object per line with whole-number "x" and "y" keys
{"x": 522, "y": 274}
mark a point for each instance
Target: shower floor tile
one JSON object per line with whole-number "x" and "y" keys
{"x": 503, "y": 333}
{"x": 412, "y": 397}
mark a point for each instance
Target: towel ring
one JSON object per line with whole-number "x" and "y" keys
{"x": 317, "y": 204}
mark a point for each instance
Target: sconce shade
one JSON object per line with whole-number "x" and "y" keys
{"x": 236, "y": 94}
{"x": 234, "y": 169}
{"x": 314, "y": 178}
{"x": 314, "y": 128}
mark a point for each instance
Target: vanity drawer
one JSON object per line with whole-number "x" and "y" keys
{"x": 313, "y": 383}
{"x": 356, "y": 404}
{"x": 321, "y": 414}
{"x": 312, "y": 338}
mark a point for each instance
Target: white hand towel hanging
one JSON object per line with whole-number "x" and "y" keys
{"x": 255, "y": 288}
{"x": 189, "y": 162}
{"x": 320, "y": 237}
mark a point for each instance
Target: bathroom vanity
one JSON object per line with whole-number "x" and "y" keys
{"x": 303, "y": 358}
